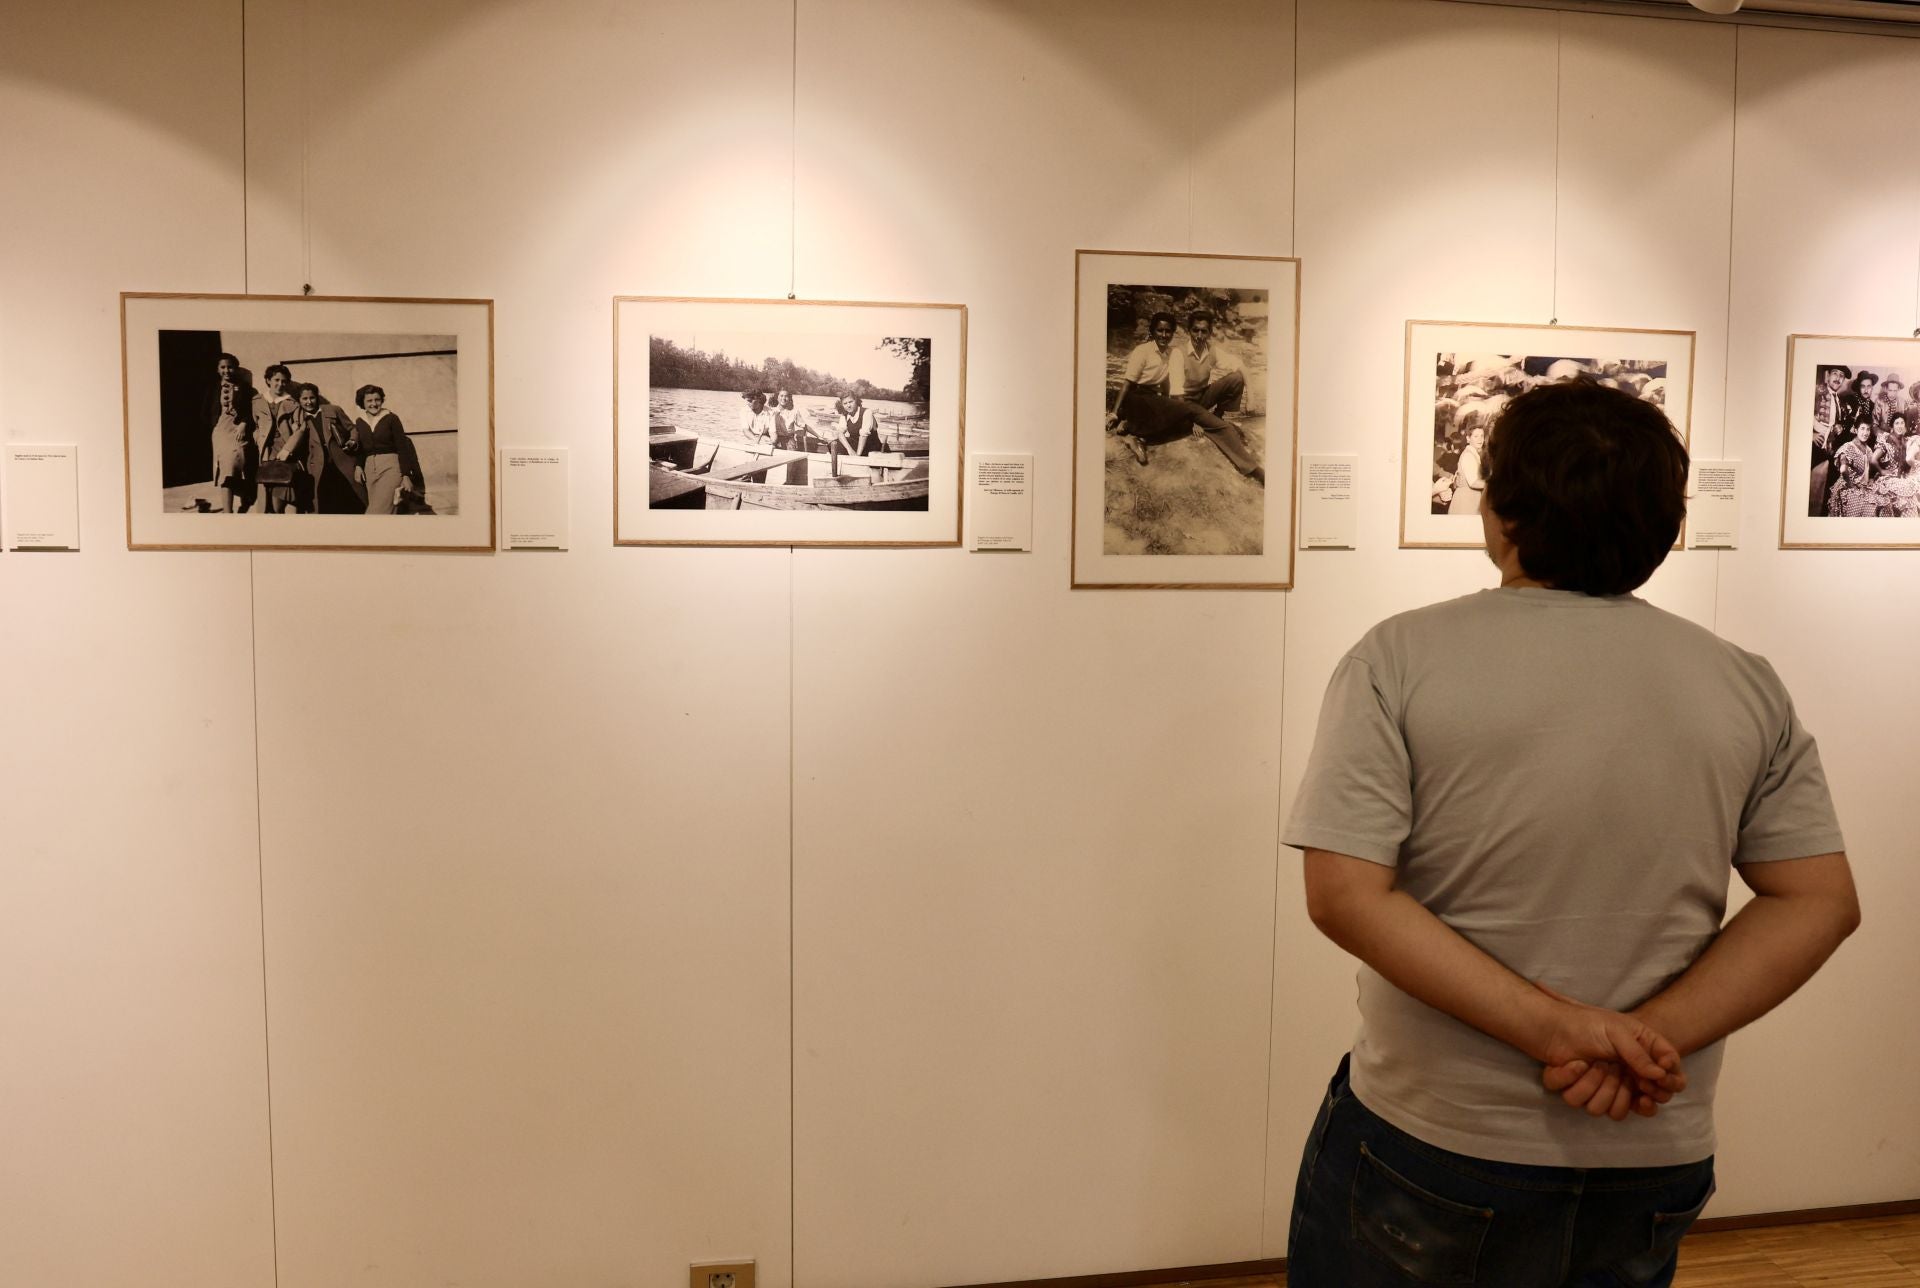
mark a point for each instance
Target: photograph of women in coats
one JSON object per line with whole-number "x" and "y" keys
{"x": 286, "y": 446}
{"x": 307, "y": 422}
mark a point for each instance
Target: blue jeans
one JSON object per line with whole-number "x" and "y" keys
{"x": 1377, "y": 1207}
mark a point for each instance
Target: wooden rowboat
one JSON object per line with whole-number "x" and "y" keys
{"x": 691, "y": 472}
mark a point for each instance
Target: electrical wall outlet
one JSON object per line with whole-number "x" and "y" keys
{"x": 721, "y": 1274}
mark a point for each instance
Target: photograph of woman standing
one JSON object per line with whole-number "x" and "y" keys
{"x": 233, "y": 450}
{"x": 337, "y": 486}
{"x": 393, "y": 478}
{"x": 1469, "y": 479}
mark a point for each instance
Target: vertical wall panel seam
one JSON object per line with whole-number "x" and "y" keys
{"x": 253, "y": 657}
{"x": 1726, "y": 360}
{"x": 793, "y": 1166}
{"x": 260, "y": 886}
{"x": 793, "y": 1029}
{"x": 1286, "y": 655}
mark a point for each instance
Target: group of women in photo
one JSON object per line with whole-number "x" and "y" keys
{"x": 1866, "y": 447}
{"x": 1469, "y": 393}
{"x": 852, "y": 427}
{"x": 287, "y": 449}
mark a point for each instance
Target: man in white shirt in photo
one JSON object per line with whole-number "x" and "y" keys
{"x": 1208, "y": 382}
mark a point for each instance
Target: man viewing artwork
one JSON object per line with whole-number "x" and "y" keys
{"x": 1520, "y": 814}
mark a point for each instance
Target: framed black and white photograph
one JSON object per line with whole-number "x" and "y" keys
{"x": 1851, "y": 464}
{"x": 1185, "y": 379}
{"x": 260, "y": 422}
{"x": 1460, "y": 375}
{"x": 787, "y": 422}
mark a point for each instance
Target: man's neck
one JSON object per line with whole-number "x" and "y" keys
{"x": 1512, "y": 575}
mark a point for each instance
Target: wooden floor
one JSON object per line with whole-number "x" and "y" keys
{"x": 1881, "y": 1252}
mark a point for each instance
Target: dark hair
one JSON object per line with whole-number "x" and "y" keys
{"x": 1590, "y": 483}
{"x": 280, "y": 367}
{"x": 230, "y": 358}
{"x": 1157, "y": 318}
{"x": 750, "y": 394}
{"x": 305, "y": 385}
{"x": 1199, "y": 315}
{"x": 360, "y": 395}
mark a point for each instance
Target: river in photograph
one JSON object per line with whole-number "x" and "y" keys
{"x": 722, "y": 413}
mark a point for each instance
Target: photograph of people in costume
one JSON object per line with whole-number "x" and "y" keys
{"x": 1865, "y": 448}
{"x": 1186, "y": 397}
{"x": 821, "y": 420}
{"x": 283, "y": 423}
{"x": 1469, "y": 391}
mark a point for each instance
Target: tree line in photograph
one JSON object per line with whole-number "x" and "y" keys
{"x": 676, "y": 368}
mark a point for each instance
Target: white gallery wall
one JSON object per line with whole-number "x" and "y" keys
{"x": 891, "y": 917}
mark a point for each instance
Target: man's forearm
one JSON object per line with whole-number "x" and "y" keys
{"x": 1770, "y": 948}
{"x": 1422, "y": 956}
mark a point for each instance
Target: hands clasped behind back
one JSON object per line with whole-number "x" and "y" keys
{"x": 1608, "y": 1063}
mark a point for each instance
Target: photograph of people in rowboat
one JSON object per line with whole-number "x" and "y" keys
{"x": 321, "y": 431}
{"x": 827, "y": 421}
{"x": 1186, "y": 420}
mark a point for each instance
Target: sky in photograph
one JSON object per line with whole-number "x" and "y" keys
{"x": 848, "y": 357}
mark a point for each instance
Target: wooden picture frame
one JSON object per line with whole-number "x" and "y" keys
{"x": 697, "y": 463}
{"x": 251, "y": 473}
{"x": 1836, "y": 492}
{"x": 1494, "y": 360}
{"x": 1220, "y": 511}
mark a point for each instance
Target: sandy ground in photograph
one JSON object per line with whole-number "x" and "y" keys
{"x": 1187, "y": 500}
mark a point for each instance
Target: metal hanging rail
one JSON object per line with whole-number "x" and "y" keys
{"x": 1882, "y": 17}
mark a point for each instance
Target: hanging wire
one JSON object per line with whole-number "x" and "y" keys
{"x": 306, "y": 151}
{"x": 1293, "y": 183}
{"x": 1733, "y": 172}
{"x": 1559, "y": 95}
{"x": 246, "y": 236}
{"x": 793, "y": 158}
{"x": 1193, "y": 136}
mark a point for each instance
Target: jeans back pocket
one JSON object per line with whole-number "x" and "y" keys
{"x": 1663, "y": 1241}
{"x": 1432, "y": 1239}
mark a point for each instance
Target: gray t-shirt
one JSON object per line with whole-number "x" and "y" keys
{"x": 1565, "y": 780}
